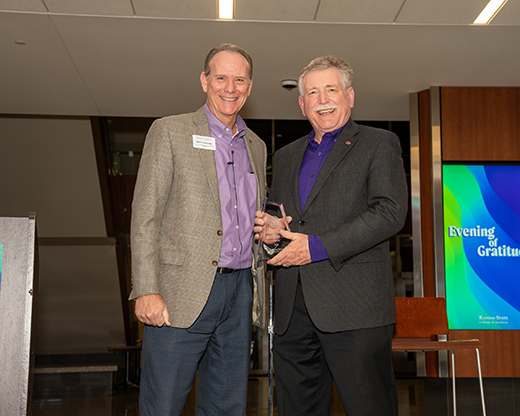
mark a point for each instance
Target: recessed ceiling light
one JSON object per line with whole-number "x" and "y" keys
{"x": 489, "y": 12}
{"x": 225, "y": 9}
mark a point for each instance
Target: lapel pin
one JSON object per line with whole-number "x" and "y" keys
{"x": 348, "y": 142}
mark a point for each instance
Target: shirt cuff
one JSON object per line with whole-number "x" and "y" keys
{"x": 316, "y": 249}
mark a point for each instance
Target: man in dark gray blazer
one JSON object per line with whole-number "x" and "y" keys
{"x": 344, "y": 186}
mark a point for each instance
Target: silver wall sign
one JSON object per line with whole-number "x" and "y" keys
{"x": 17, "y": 292}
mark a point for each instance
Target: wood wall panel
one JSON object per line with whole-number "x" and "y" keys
{"x": 425, "y": 156}
{"x": 426, "y": 193}
{"x": 483, "y": 124}
{"x": 499, "y": 354}
{"x": 480, "y": 124}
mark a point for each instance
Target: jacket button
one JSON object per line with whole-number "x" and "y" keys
{"x": 301, "y": 222}
{"x": 214, "y": 263}
{"x": 219, "y": 232}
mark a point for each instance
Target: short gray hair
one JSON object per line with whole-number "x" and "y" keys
{"x": 324, "y": 62}
{"x": 230, "y": 48}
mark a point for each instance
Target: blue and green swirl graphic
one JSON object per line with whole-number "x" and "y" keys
{"x": 482, "y": 246}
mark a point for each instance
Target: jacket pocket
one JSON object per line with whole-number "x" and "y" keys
{"x": 172, "y": 255}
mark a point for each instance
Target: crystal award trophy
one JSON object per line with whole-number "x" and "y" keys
{"x": 271, "y": 242}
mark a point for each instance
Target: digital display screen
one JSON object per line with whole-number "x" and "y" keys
{"x": 481, "y": 205}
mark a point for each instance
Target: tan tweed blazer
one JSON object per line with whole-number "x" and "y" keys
{"x": 176, "y": 219}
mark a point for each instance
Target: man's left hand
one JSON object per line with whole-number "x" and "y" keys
{"x": 296, "y": 253}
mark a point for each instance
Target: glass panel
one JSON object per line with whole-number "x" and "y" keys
{"x": 126, "y": 136}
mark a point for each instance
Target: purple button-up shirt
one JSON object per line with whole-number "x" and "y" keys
{"x": 313, "y": 160}
{"x": 237, "y": 190}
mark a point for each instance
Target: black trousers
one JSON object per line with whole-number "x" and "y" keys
{"x": 306, "y": 361}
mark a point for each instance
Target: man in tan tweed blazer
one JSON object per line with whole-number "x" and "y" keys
{"x": 200, "y": 181}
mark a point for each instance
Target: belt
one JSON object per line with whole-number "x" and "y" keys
{"x": 226, "y": 270}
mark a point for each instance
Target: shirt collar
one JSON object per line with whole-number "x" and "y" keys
{"x": 218, "y": 128}
{"x": 329, "y": 136}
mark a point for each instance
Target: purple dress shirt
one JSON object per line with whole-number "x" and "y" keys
{"x": 313, "y": 160}
{"x": 237, "y": 190}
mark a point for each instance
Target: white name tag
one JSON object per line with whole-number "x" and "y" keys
{"x": 204, "y": 142}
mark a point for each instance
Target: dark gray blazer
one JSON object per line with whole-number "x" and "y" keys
{"x": 358, "y": 201}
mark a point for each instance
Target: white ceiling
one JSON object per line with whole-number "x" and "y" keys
{"x": 144, "y": 57}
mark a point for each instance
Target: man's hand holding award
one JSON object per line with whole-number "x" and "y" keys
{"x": 270, "y": 222}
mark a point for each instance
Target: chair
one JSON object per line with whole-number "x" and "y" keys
{"x": 419, "y": 322}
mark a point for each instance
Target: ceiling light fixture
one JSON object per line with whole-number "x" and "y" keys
{"x": 489, "y": 12}
{"x": 225, "y": 9}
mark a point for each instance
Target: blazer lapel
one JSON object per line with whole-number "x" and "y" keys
{"x": 207, "y": 157}
{"x": 255, "y": 155}
{"x": 293, "y": 170}
{"x": 344, "y": 143}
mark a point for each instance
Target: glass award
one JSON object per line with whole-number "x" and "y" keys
{"x": 271, "y": 242}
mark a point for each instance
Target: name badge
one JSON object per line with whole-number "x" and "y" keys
{"x": 204, "y": 142}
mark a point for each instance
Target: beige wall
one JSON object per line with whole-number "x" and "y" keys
{"x": 48, "y": 166}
